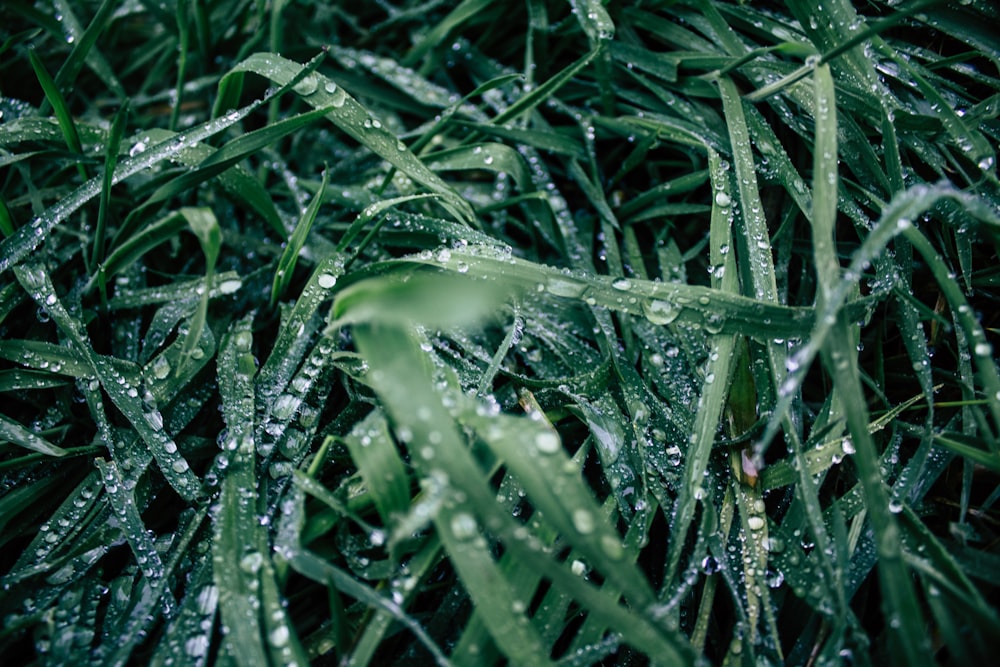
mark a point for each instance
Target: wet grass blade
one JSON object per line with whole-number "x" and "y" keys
{"x": 236, "y": 548}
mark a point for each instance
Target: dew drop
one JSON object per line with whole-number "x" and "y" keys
{"x": 659, "y": 311}
{"x": 612, "y": 547}
{"x": 463, "y": 526}
{"x": 547, "y": 442}
{"x": 160, "y": 368}
{"x": 252, "y": 562}
{"x": 307, "y": 86}
{"x": 279, "y": 636}
{"x": 583, "y": 521}
{"x": 565, "y": 288}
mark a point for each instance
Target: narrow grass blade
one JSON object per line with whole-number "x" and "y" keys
{"x": 55, "y": 98}
{"x": 286, "y": 265}
{"x": 110, "y": 162}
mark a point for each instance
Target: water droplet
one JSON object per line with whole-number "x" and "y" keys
{"x": 463, "y": 526}
{"x": 196, "y": 646}
{"x": 659, "y": 311}
{"x": 722, "y": 199}
{"x": 307, "y": 86}
{"x": 160, "y": 368}
{"x": 326, "y": 280}
{"x": 583, "y": 521}
{"x": 154, "y": 418}
{"x": 612, "y": 547}
{"x": 252, "y": 562}
{"x": 279, "y": 636}
{"x": 565, "y": 288}
{"x": 208, "y": 597}
{"x": 755, "y": 522}
{"x": 622, "y": 284}
{"x": 337, "y": 97}
{"x": 547, "y": 442}
{"x": 714, "y": 323}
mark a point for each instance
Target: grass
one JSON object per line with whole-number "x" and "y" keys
{"x": 496, "y": 332}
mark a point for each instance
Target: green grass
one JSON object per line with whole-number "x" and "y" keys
{"x": 484, "y": 332}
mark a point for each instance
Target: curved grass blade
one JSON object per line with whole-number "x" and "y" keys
{"x": 311, "y": 566}
{"x": 83, "y": 49}
{"x": 460, "y": 14}
{"x": 231, "y": 153}
{"x": 237, "y": 181}
{"x": 120, "y": 495}
{"x": 83, "y": 52}
{"x": 403, "y": 382}
{"x": 294, "y": 334}
{"x": 544, "y": 91}
{"x": 713, "y": 396}
{"x": 896, "y": 218}
{"x": 206, "y": 228}
{"x": 899, "y": 599}
{"x": 352, "y": 118}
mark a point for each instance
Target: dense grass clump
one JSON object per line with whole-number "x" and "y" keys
{"x": 483, "y": 332}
